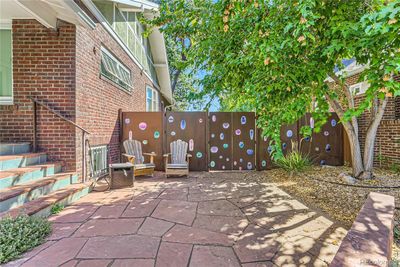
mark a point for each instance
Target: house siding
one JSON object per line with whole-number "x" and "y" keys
{"x": 62, "y": 68}
{"x": 43, "y": 67}
{"x": 97, "y": 99}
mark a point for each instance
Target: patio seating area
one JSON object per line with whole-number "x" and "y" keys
{"x": 207, "y": 219}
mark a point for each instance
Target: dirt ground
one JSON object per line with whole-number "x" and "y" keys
{"x": 321, "y": 188}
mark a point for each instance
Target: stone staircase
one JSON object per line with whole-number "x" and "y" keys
{"x": 31, "y": 185}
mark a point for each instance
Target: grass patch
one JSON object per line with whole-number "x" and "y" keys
{"x": 294, "y": 162}
{"x": 56, "y": 208}
{"x": 20, "y": 234}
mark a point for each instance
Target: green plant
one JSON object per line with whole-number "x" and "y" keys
{"x": 294, "y": 162}
{"x": 21, "y": 234}
{"x": 395, "y": 167}
{"x": 56, "y": 208}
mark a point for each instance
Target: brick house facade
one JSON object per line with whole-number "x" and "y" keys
{"x": 61, "y": 67}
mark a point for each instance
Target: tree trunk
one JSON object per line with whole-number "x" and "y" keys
{"x": 355, "y": 151}
{"x": 370, "y": 140}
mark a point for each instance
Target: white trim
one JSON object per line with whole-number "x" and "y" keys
{"x": 8, "y": 100}
{"x": 359, "y": 88}
{"x": 155, "y": 99}
{"x": 114, "y": 35}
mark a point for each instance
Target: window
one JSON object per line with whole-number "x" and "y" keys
{"x": 358, "y": 88}
{"x": 128, "y": 28}
{"x": 115, "y": 71}
{"x": 98, "y": 161}
{"x": 152, "y": 99}
{"x": 6, "y": 89}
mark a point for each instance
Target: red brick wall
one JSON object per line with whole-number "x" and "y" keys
{"x": 43, "y": 66}
{"x": 98, "y": 100}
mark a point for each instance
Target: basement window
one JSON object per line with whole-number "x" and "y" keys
{"x": 98, "y": 161}
{"x": 115, "y": 71}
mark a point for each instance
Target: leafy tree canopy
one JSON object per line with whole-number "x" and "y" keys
{"x": 273, "y": 57}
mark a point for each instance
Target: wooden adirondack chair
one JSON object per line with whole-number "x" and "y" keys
{"x": 133, "y": 151}
{"x": 179, "y": 159}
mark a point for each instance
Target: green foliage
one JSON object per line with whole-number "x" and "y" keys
{"x": 294, "y": 162}
{"x": 273, "y": 57}
{"x": 56, "y": 208}
{"x": 21, "y": 234}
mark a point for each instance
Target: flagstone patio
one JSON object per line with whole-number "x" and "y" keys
{"x": 208, "y": 219}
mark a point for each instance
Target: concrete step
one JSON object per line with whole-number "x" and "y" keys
{"x": 14, "y": 148}
{"x": 21, "y": 160}
{"x": 18, "y": 195}
{"x": 42, "y": 206}
{"x": 18, "y": 176}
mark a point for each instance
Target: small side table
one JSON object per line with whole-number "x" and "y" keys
{"x": 122, "y": 175}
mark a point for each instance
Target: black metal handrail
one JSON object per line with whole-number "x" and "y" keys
{"x": 36, "y": 102}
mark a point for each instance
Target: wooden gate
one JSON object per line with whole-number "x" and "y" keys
{"x": 243, "y": 143}
{"x": 192, "y": 128}
{"x": 146, "y": 127}
{"x": 220, "y": 140}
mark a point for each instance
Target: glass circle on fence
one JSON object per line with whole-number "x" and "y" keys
{"x": 214, "y": 149}
{"x": 173, "y": 133}
{"x": 225, "y": 125}
{"x": 183, "y": 124}
{"x": 326, "y": 133}
{"x": 328, "y": 148}
{"x": 222, "y": 136}
{"x": 251, "y": 134}
{"x": 170, "y": 119}
{"x": 250, "y": 152}
{"x": 284, "y": 145}
{"x": 214, "y": 118}
{"x": 225, "y": 146}
{"x": 142, "y": 126}
{"x": 145, "y": 142}
{"x": 199, "y": 155}
{"x": 249, "y": 165}
{"x": 156, "y": 134}
{"x": 127, "y": 121}
{"x": 263, "y": 163}
{"x": 243, "y": 120}
{"x": 238, "y": 132}
{"x": 289, "y": 133}
{"x": 333, "y": 122}
{"x": 212, "y": 164}
{"x": 241, "y": 144}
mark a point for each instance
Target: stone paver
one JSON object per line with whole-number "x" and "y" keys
{"x": 213, "y": 257}
{"x": 154, "y": 227}
{"x": 62, "y": 251}
{"x": 127, "y": 246}
{"x": 176, "y": 211}
{"x": 173, "y": 255}
{"x": 192, "y": 235}
{"x": 109, "y": 227}
{"x": 208, "y": 219}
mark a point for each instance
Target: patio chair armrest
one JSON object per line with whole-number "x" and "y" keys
{"x": 150, "y": 154}
{"x": 166, "y": 155}
{"x": 189, "y": 155}
{"x": 131, "y": 158}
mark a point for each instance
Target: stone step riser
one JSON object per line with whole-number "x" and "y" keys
{"x": 19, "y": 162}
{"x": 14, "y": 149}
{"x": 46, "y": 212}
{"x": 35, "y": 193}
{"x": 17, "y": 179}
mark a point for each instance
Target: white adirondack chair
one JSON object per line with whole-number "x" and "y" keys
{"x": 179, "y": 164}
{"x": 133, "y": 151}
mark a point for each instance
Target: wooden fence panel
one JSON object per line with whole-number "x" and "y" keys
{"x": 243, "y": 141}
{"x": 220, "y": 140}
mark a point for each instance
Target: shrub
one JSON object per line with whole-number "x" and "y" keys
{"x": 294, "y": 162}
{"x": 21, "y": 234}
{"x": 56, "y": 208}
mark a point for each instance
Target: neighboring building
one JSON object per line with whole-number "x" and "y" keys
{"x": 387, "y": 145}
{"x": 85, "y": 59}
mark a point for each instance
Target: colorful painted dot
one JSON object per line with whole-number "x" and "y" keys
{"x": 214, "y": 118}
{"x": 144, "y": 142}
{"x": 263, "y": 163}
{"x": 326, "y": 133}
{"x": 333, "y": 122}
{"x": 227, "y": 159}
{"x": 222, "y": 136}
{"x": 284, "y": 145}
{"x": 225, "y": 146}
{"x": 312, "y": 123}
{"x": 225, "y": 125}
{"x": 307, "y": 138}
{"x": 212, "y": 164}
{"x": 130, "y": 135}
{"x": 289, "y": 133}
{"x": 170, "y": 119}
{"x": 191, "y": 145}
{"x": 212, "y": 135}
{"x": 214, "y": 149}
{"x": 243, "y": 120}
{"x": 322, "y": 162}
{"x": 156, "y": 134}
{"x": 223, "y": 167}
{"x": 241, "y": 144}
{"x": 238, "y": 132}
{"x": 328, "y": 148}
{"x": 199, "y": 155}
{"x": 265, "y": 139}
{"x": 142, "y": 126}
{"x": 200, "y": 120}
{"x": 250, "y": 152}
{"x": 183, "y": 124}
{"x": 317, "y": 149}
{"x": 249, "y": 165}
{"x": 235, "y": 163}
{"x": 221, "y": 157}
{"x": 127, "y": 121}
{"x": 173, "y": 133}
{"x": 269, "y": 149}
{"x": 251, "y": 134}
{"x": 240, "y": 160}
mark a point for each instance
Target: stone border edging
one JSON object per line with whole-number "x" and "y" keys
{"x": 369, "y": 241}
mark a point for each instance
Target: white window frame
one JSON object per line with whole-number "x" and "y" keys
{"x": 358, "y": 88}
{"x": 99, "y": 158}
{"x": 8, "y": 100}
{"x": 115, "y": 67}
{"x": 155, "y": 99}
